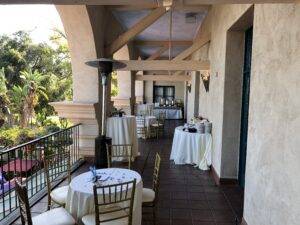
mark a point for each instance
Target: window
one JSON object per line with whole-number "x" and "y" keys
{"x": 166, "y": 92}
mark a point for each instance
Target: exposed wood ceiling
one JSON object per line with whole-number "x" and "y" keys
{"x": 157, "y": 35}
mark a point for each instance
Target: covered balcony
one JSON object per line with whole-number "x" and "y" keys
{"x": 225, "y": 76}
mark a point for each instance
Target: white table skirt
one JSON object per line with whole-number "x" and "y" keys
{"x": 146, "y": 108}
{"x": 170, "y": 113}
{"x": 80, "y": 200}
{"x": 191, "y": 148}
{"x": 122, "y": 130}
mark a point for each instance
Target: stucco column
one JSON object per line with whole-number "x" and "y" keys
{"x": 126, "y": 84}
{"x": 86, "y": 89}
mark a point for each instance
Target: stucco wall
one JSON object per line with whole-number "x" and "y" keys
{"x": 220, "y": 19}
{"x": 82, "y": 48}
{"x": 272, "y": 174}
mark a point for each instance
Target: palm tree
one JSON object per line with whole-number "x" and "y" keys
{"x": 4, "y": 101}
{"x": 33, "y": 89}
{"x": 17, "y": 96}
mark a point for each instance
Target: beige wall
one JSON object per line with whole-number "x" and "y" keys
{"x": 272, "y": 188}
{"x": 211, "y": 104}
{"x": 139, "y": 90}
{"x": 82, "y": 48}
{"x": 272, "y": 174}
{"x": 148, "y": 91}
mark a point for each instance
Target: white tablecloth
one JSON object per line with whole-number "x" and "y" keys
{"x": 80, "y": 200}
{"x": 191, "y": 148}
{"x": 147, "y": 108}
{"x": 170, "y": 113}
{"x": 122, "y": 130}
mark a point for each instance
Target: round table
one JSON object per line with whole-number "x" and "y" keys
{"x": 80, "y": 200}
{"x": 191, "y": 148}
{"x": 122, "y": 130}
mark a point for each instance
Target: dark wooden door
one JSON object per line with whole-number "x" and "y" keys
{"x": 245, "y": 105}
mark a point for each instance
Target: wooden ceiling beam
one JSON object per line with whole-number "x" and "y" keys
{"x": 180, "y": 78}
{"x": 158, "y": 53}
{"x": 176, "y": 7}
{"x": 164, "y": 65}
{"x": 152, "y": 43}
{"x": 135, "y": 30}
{"x": 194, "y": 47}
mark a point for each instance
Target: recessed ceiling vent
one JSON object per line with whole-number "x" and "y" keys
{"x": 191, "y": 17}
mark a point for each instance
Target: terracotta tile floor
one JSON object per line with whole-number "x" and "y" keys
{"x": 188, "y": 196}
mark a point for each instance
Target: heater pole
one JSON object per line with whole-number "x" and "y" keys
{"x": 105, "y": 66}
{"x": 104, "y": 87}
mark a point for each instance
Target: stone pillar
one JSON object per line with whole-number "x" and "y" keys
{"x": 126, "y": 82}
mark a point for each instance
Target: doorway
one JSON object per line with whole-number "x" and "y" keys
{"x": 245, "y": 105}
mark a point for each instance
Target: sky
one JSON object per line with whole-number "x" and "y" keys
{"x": 39, "y": 19}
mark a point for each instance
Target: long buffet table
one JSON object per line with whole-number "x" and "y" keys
{"x": 170, "y": 112}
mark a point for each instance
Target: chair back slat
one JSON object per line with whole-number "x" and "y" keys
{"x": 22, "y": 194}
{"x": 115, "y": 152}
{"x": 57, "y": 167}
{"x": 155, "y": 184}
{"x": 107, "y": 204}
{"x": 141, "y": 128}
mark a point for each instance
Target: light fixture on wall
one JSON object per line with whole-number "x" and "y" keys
{"x": 189, "y": 87}
{"x": 205, "y": 78}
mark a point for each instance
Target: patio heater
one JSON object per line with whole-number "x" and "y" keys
{"x": 105, "y": 67}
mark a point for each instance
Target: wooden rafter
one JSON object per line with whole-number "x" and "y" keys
{"x": 164, "y": 65}
{"x": 166, "y": 77}
{"x": 158, "y": 53}
{"x": 152, "y": 43}
{"x": 197, "y": 45}
{"x": 176, "y": 7}
{"x": 135, "y": 30}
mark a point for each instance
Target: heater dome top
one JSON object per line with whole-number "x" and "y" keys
{"x": 104, "y": 63}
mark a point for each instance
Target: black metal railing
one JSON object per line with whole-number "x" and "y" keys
{"x": 25, "y": 162}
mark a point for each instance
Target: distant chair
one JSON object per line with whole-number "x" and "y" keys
{"x": 150, "y": 195}
{"x": 58, "y": 168}
{"x": 150, "y": 109}
{"x": 113, "y": 208}
{"x": 57, "y": 216}
{"x": 159, "y": 126}
{"x": 117, "y": 152}
{"x": 141, "y": 128}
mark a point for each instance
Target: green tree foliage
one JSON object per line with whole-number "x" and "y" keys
{"x": 35, "y": 74}
{"x": 114, "y": 84}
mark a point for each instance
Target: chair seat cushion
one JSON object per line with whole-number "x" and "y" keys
{"x": 148, "y": 195}
{"x": 57, "y": 216}
{"x": 90, "y": 218}
{"x": 59, "y": 195}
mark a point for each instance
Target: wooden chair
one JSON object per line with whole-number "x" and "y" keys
{"x": 57, "y": 216}
{"x": 113, "y": 208}
{"x": 117, "y": 152}
{"x": 141, "y": 128}
{"x": 57, "y": 167}
{"x": 159, "y": 126}
{"x": 150, "y": 195}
